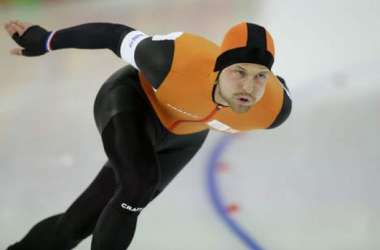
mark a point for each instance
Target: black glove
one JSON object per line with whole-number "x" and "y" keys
{"x": 33, "y": 41}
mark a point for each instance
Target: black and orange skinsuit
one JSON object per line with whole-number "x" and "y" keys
{"x": 153, "y": 116}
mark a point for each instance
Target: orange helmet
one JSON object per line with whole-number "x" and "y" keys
{"x": 246, "y": 43}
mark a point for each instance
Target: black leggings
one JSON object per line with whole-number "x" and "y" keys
{"x": 143, "y": 158}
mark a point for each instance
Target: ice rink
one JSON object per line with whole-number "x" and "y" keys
{"x": 311, "y": 184}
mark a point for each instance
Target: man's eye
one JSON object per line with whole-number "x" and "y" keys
{"x": 262, "y": 76}
{"x": 240, "y": 72}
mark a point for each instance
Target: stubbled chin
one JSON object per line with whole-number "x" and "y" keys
{"x": 240, "y": 109}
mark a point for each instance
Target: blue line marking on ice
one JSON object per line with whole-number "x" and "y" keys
{"x": 215, "y": 195}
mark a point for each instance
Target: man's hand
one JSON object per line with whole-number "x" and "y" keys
{"x": 31, "y": 37}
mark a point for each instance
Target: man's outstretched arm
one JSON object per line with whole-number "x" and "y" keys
{"x": 36, "y": 41}
{"x": 152, "y": 56}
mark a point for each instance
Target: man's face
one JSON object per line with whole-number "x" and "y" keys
{"x": 241, "y": 85}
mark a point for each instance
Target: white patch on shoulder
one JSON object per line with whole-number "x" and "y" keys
{"x": 217, "y": 125}
{"x": 129, "y": 44}
{"x": 171, "y": 36}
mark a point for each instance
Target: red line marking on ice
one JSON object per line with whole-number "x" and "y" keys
{"x": 223, "y": 167}
{"x": 233, "y": 208}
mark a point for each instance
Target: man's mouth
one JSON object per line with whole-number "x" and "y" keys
{"x": 243, "y": 100}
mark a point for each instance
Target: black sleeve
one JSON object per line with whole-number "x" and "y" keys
{"x": 154, "y": 59}
{"x": 91, "y": 36}
{"x": 286, "y": 107}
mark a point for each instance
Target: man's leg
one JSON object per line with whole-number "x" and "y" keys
{"x": 175, "y": 153}
{"x": 65, "y": 231}
{"x": 128, "y": 143}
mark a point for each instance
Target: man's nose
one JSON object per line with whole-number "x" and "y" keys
{"x": 249, "y": 85}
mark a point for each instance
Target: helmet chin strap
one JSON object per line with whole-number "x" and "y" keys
{"x": 216, "y": 93}
{"x": 214, "y": 89}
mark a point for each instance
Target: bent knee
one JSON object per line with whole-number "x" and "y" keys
{"x": 134, "y": 196}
